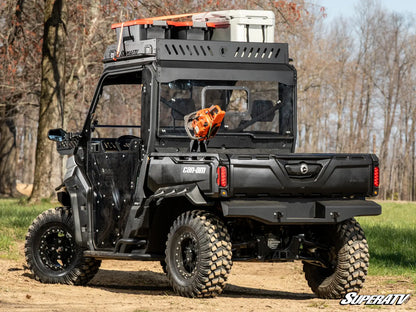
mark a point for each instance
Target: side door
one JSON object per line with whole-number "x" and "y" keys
{"x": 114, "y": 155}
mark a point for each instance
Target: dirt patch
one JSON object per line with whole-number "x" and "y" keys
{"x": 142, "y": 286}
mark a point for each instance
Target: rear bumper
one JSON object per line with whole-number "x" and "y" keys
{"x": 299, "y": 211}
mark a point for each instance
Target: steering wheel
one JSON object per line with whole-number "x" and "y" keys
{"x": 123, "y": 142}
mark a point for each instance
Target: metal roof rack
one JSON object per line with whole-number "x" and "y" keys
{"x": 199, "y": 50}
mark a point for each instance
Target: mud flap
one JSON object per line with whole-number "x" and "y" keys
{"x": 139, "y": 213}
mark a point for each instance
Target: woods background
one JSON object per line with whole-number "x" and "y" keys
{"x": 356, "y": 79}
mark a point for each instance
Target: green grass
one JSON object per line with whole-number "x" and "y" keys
{"x": 15, "y": 218}
{"x": 392, "y": 240}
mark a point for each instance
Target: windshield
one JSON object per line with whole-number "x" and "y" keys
{"x": 259, "y": 108}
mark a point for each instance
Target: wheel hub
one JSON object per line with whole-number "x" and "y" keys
{"x": 57, "y": 249}
{"x": 186, "y": 255}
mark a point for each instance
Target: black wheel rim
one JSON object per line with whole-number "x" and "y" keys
{"x": 57, "y": 249}
{"x": 186, "y": 254}
{"x": 331, "y": 260}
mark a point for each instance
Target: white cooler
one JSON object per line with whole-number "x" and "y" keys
{"x": 240, "y": 25}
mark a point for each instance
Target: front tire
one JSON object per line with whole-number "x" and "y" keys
{"x": 350, "y": 258}
{"x": 52, "y": 253}
{"x": 198, "y": 255}
{"x": 163, "y": 264}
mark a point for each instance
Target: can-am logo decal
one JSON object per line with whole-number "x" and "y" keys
{"x": 197, "y": 170}
{"x": 353, "y": 298}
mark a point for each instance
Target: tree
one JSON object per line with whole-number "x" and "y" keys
{"x": 8, "y": 151}
{"x": 20, "y": 47}
{"x": 51, "y": 108}
{"x": 8, "y": 148}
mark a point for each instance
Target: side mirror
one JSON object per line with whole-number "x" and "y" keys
{"x": 57, "y": 135}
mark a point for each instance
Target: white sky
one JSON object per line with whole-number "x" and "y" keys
{"x": 336, "y": 8}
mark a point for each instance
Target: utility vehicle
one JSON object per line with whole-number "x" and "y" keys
{"x": 143, "y": 184}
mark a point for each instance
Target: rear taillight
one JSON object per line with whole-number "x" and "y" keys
{"x": 376, "y": 177}
{"x": 222, "y": 176}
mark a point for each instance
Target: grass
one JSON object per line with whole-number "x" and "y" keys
{"x": 15, "y": 218}
{"x": 392, "y": 240}
{"x": 391, "y": 236}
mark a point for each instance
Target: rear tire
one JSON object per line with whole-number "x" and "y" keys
{"x": 198, "y": 255}
{"x": 350, "y": 259}
{"x": 52, "y": 253}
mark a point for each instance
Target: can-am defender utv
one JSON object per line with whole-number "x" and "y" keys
{"x": 159, "y": 172}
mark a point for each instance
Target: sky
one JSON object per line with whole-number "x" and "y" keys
{"x": 336, "y": 8}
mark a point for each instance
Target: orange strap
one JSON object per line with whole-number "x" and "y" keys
{"x": 150, "y": 20}
{"x": 161, "y": 18}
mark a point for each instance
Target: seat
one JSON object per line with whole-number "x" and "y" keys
{"x": 180, "y": 108}
{"x": 261, "y": 107}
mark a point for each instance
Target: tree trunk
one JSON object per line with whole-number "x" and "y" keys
{"x": 8, "y": 153}
{"x": 51, "y": 107}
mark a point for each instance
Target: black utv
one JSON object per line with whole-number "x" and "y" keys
{"x": 137, "y": 187}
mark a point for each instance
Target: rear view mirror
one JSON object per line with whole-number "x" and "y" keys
{"x": 57, "y": 135}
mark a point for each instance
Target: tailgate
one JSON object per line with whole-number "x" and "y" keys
{"x": 324, "y": 175}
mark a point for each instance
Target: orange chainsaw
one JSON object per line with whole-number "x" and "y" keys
{"x": 204, "y": 123}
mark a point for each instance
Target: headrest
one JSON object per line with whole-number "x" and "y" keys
{"x": 261, "y": 107}
{"x": 182, "y": 107}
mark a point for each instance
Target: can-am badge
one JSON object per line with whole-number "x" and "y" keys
{"x": 304, "y": 169}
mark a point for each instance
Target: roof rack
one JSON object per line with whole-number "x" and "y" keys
{"x": 203, "y": 51}
{"x": 233, "y": 25}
